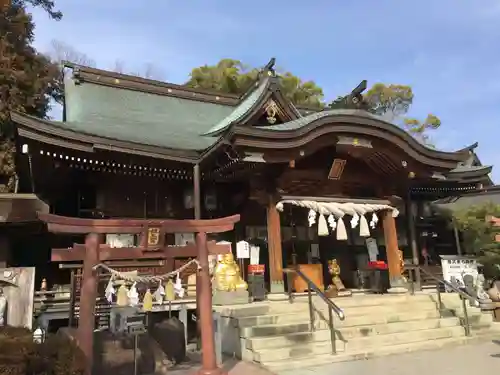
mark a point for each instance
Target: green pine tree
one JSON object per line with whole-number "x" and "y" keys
{"x": 28, "y": 80}
{"x": 479, "y": 235}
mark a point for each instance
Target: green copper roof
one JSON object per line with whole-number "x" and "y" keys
{"x": 140, "y": 117}
{"x": 242, "y": 109}
{"x": 453, "y": 204}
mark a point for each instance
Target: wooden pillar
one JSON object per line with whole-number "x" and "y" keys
{"x": 86, "y": 321}
{"x": 392, "y": 250}
{"x": 196, "y": 192}
{"x": 274, "y": 248}
{"x": 5, "y": 251}
{"x": 205, "y": 318}
{"x": 412, "y": 238}
{"x": 4, "y": 4}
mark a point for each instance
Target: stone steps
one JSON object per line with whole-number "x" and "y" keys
{"x": 301, "y": 314}
{"x": 346, "y": 334}
{"x": 360, "y": 344}
{"x": 277, "y": 335}
{"x": 300, "y": 323}
{"x": 300, "y": 304}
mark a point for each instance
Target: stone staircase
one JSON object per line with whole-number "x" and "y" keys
{"x": 277, "y": 334}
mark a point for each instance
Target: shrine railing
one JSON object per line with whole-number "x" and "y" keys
{"x": 332, "y": 307}
{"x": 442, "y": 283}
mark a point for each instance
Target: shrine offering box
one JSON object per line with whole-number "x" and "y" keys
{"x": 256, "y": 282}
{"x": 313, "y": 271}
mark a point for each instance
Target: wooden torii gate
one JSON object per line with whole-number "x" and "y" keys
{"x": 151, "y": 245}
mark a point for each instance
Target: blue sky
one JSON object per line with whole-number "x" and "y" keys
{"x": 447, "y": 50}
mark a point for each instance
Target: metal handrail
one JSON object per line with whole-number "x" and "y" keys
{"x": 464, "y": 296}
{"x": 332, "y": 307}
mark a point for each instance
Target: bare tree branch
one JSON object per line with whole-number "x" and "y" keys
{"x": 119, "y": 67}
{"x": 61, "y": 51}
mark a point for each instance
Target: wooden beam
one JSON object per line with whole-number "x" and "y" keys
{"x": 63, "y": 224}
{"x": 107, "y": 253}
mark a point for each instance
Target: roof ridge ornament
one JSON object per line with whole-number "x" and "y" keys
{"x": 354, "y": 100}
{"x": 268, "y": 69}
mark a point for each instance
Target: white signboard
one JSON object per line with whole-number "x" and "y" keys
{"x": 254, "y": 254}
{"x": 371, "y": 245}
{"x": 183, "y": 239}
{"x": 120, "y": 240}
{"x": 455, "y": 267}
{"x": 243, "y": 250}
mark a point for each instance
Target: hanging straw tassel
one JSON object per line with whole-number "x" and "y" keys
{"x": 311, "y": 217}
{"x": 122, "y": 296}
{"x": 364, "y": 230}
{"x": 354, "y": 221}
{"x": 169, "y": 290}
{"x": 110, "y": 290}
{"x": 331, "y": 222}
{"x": 373, "y": 222}
{"x": 133, "y": 295}
{"x": 147, "y": 301}
{"x": 341, "y": 231}
{"x": 322, "y": 226}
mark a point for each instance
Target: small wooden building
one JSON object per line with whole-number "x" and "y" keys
{"x": 132, "y": 147}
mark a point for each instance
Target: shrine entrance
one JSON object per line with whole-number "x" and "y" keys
{"x": 151, "y": 245}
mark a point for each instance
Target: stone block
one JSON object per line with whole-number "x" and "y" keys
{"x": 237, "y": 297}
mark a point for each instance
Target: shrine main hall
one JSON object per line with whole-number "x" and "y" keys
{"x": 311, "y": 185}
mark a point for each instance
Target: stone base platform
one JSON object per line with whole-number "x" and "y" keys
{"x": 224, "y": 298}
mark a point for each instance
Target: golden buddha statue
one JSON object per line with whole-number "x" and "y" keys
{"x": 401, "y": 263}
{"x": 334, "y": 271}
{"x": 227, "y": 275}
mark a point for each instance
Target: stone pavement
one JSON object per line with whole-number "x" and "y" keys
{"x": 232, "y": 366}
{"x": 469, "y": 359}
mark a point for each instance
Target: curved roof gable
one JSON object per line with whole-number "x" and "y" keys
{"x": 298, "y": 132}
{"x": 266, "y": 87}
